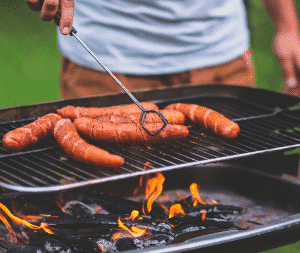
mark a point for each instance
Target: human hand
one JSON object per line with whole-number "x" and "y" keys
{"x": 287, "y": 51}
{"x": 49, "y": 8}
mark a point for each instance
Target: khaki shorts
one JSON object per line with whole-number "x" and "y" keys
{"x": 78, "y": 81}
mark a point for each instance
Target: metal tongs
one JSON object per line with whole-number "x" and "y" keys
{"x": 144, "y": 111}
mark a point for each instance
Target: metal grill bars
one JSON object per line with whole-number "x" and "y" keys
{"x": 46, "y": 168}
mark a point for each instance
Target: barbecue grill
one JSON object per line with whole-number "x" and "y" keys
{"x": 264, "y": 129}
{"x": 269, "y": 124}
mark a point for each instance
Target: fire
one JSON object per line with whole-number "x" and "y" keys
{"x": 13, "y": 236}
{"x": 175, "y": 210}
{"x": 142, "y": 179}
{"x": 135, "y": 231}
{"x": 203, "y": 214}
{"x": 154, "y": 187}
{"x": 133, "y": 215}
{"x": 196, "y": 196}
{"x": 43, "y": 226}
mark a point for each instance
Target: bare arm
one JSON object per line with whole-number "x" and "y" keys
{"x": 287, "y": 41}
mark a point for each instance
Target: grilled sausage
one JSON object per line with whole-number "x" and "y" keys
{"x": 208, "y": 118}
{"x": 30, "y": 134}
{"x": 174, "y": 117}
{"x": 72, "y": 112}
{"x": 128, "y": 133}
{"x": 77, "y": 148}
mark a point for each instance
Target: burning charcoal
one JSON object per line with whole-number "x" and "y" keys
{"x": 120, "y": 233}
{"x": 25, "y": 249}
{"x": 53, "y": 245}
{"x": 103, "y": 245}
{"x": 127, "y": 243}
{"x": 158, "y": 212}
{"x": 197, "y": 220}
{"x": 114, "y": 204}
{"x": 187, "y": 228}
{"x": 158, "y": 240}
{"x": 161, "y": 228}
{"x": 78, "y": 209}
{"x": 213, "y": 209}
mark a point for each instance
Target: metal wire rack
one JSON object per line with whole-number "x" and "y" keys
{"x": 47, "y": 168}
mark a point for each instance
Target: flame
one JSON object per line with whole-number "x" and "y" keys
{"x": 195, "y": 193}
{"x": 135, "y": 231}
{"x": 196, "y": 197}
{"x": 203, "y": 214}
{"x": 175, "y": 210}
{"x": 13, "y": 237}
{"x": 43, "y": 226}
{"x": 142, "y": 178}
{"x": 133, "y": 215}
{"x": 147, "y": 164}
{"x": 154, "y": 187}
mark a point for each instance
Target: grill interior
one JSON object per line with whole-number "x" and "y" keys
{"x": 47, "y": 168}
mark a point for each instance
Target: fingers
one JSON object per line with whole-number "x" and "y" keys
{"x": 291, "y": 91}
{"x": 289, "y": 72}
{"x": 67, "y": 13}
{"x": 34, "y": 5}
{"x": 49, "y": 9}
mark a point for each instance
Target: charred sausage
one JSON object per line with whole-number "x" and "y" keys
{"x": 128, "y": 133}
{"x": 78, "y": 149}
{"x": 72, "y": 112}
{"x": 28, "y": 135}
{"x": 208, "y": 118}
{"x": 174, "y": 117}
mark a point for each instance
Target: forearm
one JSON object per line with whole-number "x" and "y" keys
{"x": 283, "y": 14}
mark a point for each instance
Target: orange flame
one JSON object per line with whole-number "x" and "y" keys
{"x": 142, "y": 179}
{"x": 43, "y": 226}
{"x": 154, "y": 187}
{"x": 133, "y": 215}
{"x": 195, "y": 193}
{"x": 13, "y": 237}
{"x": 135, "y": 231}
{"x": 196, "y": 197}
{"x": 203, "y": 214}
{"x": 175, "y": 210}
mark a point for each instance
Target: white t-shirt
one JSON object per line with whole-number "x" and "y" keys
{"x": 150, "y": 37}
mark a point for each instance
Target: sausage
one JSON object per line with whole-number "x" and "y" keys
{"x": 72, "y": 112}
{"x": 174, "y": 117}
{"x": 28, "y": 135}
{"x": 208, "y": 118}
{"x": 78, "y": 149}
{"x": 128, "y": 133}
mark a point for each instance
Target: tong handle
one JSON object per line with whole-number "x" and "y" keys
{"x": 144, "y": 112}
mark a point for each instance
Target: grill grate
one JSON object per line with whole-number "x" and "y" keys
{"x": 46, "y": 167}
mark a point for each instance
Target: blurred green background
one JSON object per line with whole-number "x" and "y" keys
{"x": 30, "y": 58}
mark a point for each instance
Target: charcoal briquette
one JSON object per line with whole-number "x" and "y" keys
{"x": 127, "y": 243}
{"x": 53, "y": 245}
{"x": 25, "y": 249}
{"x": 104, "y": 245}
{"x": 188, "y": 228}
{"x": 158, "y": 240}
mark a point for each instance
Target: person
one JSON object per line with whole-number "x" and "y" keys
{"x": 149, "y": 44}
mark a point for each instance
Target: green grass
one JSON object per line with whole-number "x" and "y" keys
{"x": 30, "y": 59}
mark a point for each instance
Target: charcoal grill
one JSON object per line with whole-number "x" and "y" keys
{"x": 269, "y": 124}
